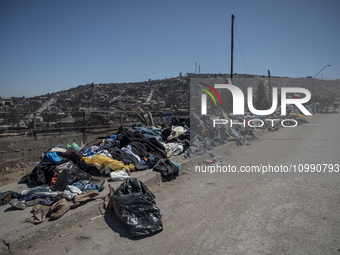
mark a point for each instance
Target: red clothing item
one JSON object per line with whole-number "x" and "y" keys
{"x": 54, "y": 179}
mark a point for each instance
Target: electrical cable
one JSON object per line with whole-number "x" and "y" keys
{"x": 239, "y": 41}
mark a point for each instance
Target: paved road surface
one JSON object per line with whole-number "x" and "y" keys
{"x": 227, "y": 215}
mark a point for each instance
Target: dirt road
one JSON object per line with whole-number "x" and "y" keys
{"x": 227, "y": 215}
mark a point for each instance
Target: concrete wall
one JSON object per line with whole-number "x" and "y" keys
{"x": 29, "y": 148}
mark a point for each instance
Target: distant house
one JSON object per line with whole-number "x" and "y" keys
{"x": 39, "y": 119}
{"x": 7, "y": 102}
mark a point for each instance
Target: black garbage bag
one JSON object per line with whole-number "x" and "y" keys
{"x": 135, "y": 206}
{"x": 69, "y": 176}
{"x": 40, "y": 175}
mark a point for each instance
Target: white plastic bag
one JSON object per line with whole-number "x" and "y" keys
{"x": 119, "y": 176}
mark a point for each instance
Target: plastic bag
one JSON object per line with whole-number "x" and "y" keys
{"x": 135, "y": 206}
{"x": 69, "y": 176}
{"x": 119, "y": 176}
{"x": 74, "y": 146}
{"x": 176, "y": 132}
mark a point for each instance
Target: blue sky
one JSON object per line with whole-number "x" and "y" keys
{"x": 48, "y": 46}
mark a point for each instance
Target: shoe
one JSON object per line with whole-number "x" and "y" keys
{"x": 17, "y": 204}
{"x": 5, "y": 198}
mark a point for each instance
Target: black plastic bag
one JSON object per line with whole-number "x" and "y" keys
{"x": 40, "y": 175}
{"x": 135, "y": 206}
{"x": 69, "y": 176}
{"x": 168, "y": 170}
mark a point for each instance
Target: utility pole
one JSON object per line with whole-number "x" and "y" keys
{"x": 229, "y": 104}
{"x": 232, "y": 47}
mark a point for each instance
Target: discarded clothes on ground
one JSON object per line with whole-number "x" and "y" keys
{"x": 67, "y": 176}
{"x": 204, "y": 136}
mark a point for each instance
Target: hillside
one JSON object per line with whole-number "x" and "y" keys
{"x": 165, "y": 94}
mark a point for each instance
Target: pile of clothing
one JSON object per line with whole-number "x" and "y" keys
{"x": 67, "y": 175}
{"x": 59, "y": 181}
{"x": 204, "y": 136}
{"x": 53, "y": 201}
{"x": 135, "y": 148}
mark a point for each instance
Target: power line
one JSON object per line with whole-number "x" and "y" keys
{"x": 239, "y": 42}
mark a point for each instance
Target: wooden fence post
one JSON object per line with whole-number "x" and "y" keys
{"x": 84, "y": 131}
{"x": 34, "y": 126}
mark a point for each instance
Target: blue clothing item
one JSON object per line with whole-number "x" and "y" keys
{"x": 176, "y": 164}
{"x": 89, "y": 153}
{"x": 152, "y": 131}
{"x": 47, "y": 201}
{"x": 151, "y": 161}
{"x": 114, "y": 137}
{"x": 234, "y": 133}
{"x": 149, "y": 136}
{"x": 31, "y": 192}
{"x": 86, "y": 185}
{"x": 29, "y": 197}
{"x": 128, "y": 150}
{"x": 54, "y": 156}
{"x": 94, "y": 150}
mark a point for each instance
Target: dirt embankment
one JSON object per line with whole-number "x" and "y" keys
{"x": 15, "y": 172}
